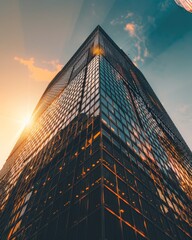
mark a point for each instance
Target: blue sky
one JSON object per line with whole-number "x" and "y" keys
{"x": 38, "y": 37}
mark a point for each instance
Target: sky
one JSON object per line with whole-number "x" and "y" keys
{"x": 38, "y": 37}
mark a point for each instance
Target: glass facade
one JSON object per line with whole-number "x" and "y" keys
{"x": 102, "y": 160}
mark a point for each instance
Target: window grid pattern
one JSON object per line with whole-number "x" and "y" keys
{"x": 68, "y": 184}
{"x": 56, "y": 117}
{"x": 142, "y": 202}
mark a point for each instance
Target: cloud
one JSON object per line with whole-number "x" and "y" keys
{"x": 37, "y": 73}
{"x": 138, "y": 57}
{"x": 146, "y": 52}
{"x": 164, "y": 5}
{"x": 117, "y": 21}
{"x": 129, "y": 15}
{"x": 122, "y": 19}
{"x": 151, "y": 21}
{"x": 130, "y": 27}
{"x": 136, "y": 32}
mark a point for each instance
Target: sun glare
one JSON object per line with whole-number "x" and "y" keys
{"x": 26, "y": 121}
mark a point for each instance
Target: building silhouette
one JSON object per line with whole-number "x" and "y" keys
{"x": 101, "y": 160}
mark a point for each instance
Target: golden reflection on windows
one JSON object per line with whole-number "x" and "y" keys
{"x": 98, "y": 50}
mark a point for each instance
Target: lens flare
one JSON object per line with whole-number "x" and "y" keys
{"x": 26, "y": 121}
{"x": 186, "y": 4}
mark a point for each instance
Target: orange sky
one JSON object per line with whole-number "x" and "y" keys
{"x": 19, "y": 97}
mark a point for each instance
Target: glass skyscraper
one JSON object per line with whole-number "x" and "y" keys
{"x": 101, "y": 160}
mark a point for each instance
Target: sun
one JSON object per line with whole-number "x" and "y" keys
{"x": 26, "y": 121}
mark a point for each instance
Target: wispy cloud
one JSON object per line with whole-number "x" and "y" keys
{"x": 136, "y": 32}
{"x": 122, "y": 19}
{"x": 132, "y": 24}
{"x": 130, "y": 27}
{"x": 164, "y": 5}
{"x": 151, "y": 21}
{"x": 129, "y": 15}
{"x": 40, "y": 73}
